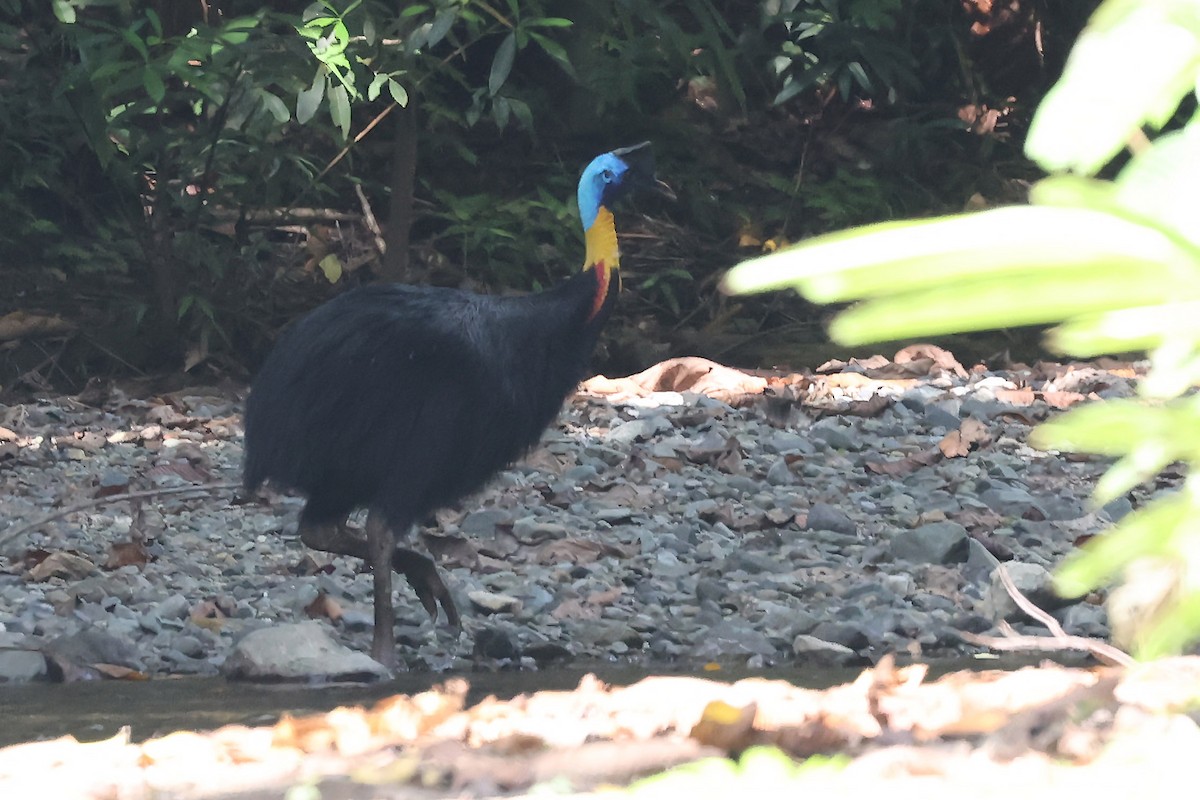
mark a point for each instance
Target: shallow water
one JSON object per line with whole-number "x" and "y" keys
{"x": 97, "y": 710}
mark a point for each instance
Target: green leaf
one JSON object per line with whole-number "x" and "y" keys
{"x": 522, "y": 112}
{"x": 153, "y": 83}
{"x": 309, "y": 100}
{"x": 65, "y": 11}
{"x": 339, "y": 108}
{"x": 549, "y": 22}
{"x": 502, "y": 64}
{"x": 399, "y": 93}
{"x": 331, "y": 266}
{"x": 377, "y": 85}
{"x": 442, "y": 23}
{"x": 1146, "y": 532}
{"x": 896, "y": 257}
{"x": 1163, "y": 183}
{"x": 555, "y": 51}
{"x": 274, "y": 106}
{"x": 500, "y": 112}
{"x": 1130, "y": 67}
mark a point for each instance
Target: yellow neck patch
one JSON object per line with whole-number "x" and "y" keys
{"x": 602, "y": 242}
{"x": 602, "y": 255}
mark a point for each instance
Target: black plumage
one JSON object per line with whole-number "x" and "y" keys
{"x": 404, "y": 399}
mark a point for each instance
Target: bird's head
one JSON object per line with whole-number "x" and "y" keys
{"x": 614, "y": 174}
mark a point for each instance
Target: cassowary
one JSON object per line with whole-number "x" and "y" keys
{"x": 404, "y": 399}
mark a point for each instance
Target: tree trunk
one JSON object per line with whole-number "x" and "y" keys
{"x": 404, "y": 170}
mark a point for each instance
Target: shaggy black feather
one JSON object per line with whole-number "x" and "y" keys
{"x": 407, "y": 398}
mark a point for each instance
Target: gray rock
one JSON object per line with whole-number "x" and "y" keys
{"x": 824, "y": 517}
{"x": 710, "y": 589}
{"x": 493, "y": 603}
{"x": 847, "y": 634}
{"x": 21, "y": 666}
{"x": 835, "y": 434}
{"x": 1084, "y": 619}
{"x": 812, "y": 650}
{"x": 729, "y": 638}
{"x": 175, "y": 607}
{"x": 935, "y": 543}
{"x": 483, "y": 523}
{"x": 980, "y": 563}
{"x": 1032, "y": 580}
{"x": 636, "y": 430}
{"x": 92, "y": 646}
{"x": 300, "y": 652}
{"x": 780, "y": 474}
{"x": 1012, "y": 501}
{"x": 498, "y": 643}
{"x": 944, "y": 414}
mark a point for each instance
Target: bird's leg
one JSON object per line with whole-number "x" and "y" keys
{"x": 381, "y": 546}
{"x": 423, "y": 577}
{"x": 418, "y": 569}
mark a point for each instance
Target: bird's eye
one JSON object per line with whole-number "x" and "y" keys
{"x": 608, "y": 176}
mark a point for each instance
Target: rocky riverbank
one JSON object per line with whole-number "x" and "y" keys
{"x": 689, "y": 515}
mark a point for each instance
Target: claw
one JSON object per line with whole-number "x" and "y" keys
{"x": 422, "y": 576}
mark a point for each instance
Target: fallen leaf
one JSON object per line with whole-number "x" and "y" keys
{"x": 127, "y": 554}
{"x": 1062, "y": 399}
{"x": 1016, "y": 397}
{"x": 324, "y": 606}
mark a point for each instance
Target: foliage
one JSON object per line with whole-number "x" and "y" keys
{"x": 1117, "y": 263}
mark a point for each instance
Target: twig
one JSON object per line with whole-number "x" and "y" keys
{"x": 1059, "y": 639}
{"x": 11, "y": 533}
{"x": 1104, "y": 652}
{"x": 369, "y": 219}
{"x": 1026, "y": 605}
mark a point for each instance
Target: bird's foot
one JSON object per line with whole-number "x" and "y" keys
{"x": 423, "y": 577}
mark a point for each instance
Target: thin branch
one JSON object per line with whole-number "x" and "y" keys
{"x": 1104, "y": 652}
{"x": 11, "y": 533}
{"x": 1026, "y": 605}
{"x": 1058, "y": 640}
{"x": 369, "y": 218}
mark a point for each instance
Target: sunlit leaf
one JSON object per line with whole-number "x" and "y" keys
{"x": 1163, "y": 182}
{"x": 1147, "y": 531}
{"x": 398, "y": 92}
{"x": 907, "y": 256}
{"x": 1138, "y": 53}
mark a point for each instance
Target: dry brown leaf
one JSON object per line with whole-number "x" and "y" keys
{"x": 871, "y": 407}
{"x": 939, "y": 356}
{"x": 28, "y": 325}
{"x": 1062, "y": 399}
{"x": 606, "y": 597}
{"x": 324, "y": 606}
{"x": 127, "y": 554}
{"x": 1016, "y": 397}
{"x": 971, "y": 435}
{"x": 119, "y": 673}
{"x": 573, "y": 608}
{"x": 689, "y": 374}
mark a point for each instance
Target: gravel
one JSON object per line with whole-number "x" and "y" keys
{"x": 673, "y": 529}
